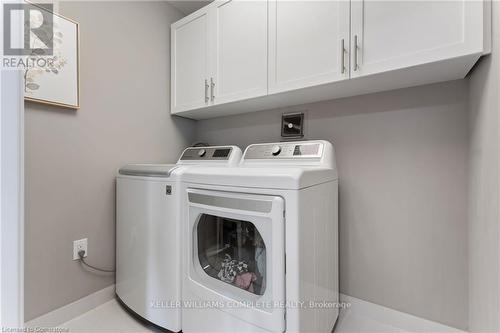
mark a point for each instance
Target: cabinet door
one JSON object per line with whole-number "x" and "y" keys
{"x": 190, "y": 63}
{"x": 305, "y": 43}
{"x": 240, "y": 50}
{"x": 389, "y": 35}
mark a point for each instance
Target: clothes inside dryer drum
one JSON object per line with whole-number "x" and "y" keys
{"x": 232, "y": 251}
{"x": 231, "y": 268}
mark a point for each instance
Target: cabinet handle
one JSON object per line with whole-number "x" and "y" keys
{"x": 206, "y": 91}
{"x": 212, "y": 86}
{"x": 356, "y": 48}
{"x": 342, "y": 56}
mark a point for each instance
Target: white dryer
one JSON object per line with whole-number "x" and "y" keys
{"x": 148, "y": 252}
{"x": 261, "y": 242}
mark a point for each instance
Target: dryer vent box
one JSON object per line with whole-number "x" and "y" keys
{"x": 292, "y": 125}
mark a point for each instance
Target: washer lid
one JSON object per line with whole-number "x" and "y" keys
{"x": 147, "y": 170}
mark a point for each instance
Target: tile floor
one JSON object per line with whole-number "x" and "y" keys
{"x": 112, "y": 317}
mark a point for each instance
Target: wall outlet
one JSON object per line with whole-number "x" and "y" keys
{"x": 79, "y": 245}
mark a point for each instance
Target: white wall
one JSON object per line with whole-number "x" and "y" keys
{"x": 11, "y": 204}
{"x": 484, "y": 190}
{"x": 72, "y": 156}
{"x": 402, "y": 159}
{"x": 11, "y": 189}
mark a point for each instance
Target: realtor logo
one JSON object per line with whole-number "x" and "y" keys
{"x": 38, "y": 29}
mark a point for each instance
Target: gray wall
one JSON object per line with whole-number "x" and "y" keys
{"x": 72, "y": 156}
{"x": 402, "y": 160}
{"x": 484, "y": 192}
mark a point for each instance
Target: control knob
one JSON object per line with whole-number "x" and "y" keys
{"x": 202, "y": 152}
{"x": 276, "y": 150}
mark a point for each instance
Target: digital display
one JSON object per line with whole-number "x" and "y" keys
{"x": 306, "y": 150}
{"x": 296, "y": 151}
{"x": 221, "y": 153}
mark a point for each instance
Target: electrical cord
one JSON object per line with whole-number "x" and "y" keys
{"x": 81, "y": 254}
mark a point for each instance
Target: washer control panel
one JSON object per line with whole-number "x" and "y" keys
{"x": 206, "y": 153}
{"x": 284, "y": 150}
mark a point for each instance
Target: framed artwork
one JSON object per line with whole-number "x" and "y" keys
{"x": 58, "y": 82}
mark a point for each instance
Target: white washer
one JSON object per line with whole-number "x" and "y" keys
{"x": 261, "y": 242}
{"x": 148, "y": 266}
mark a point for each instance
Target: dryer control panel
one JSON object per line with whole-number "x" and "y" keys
{"x": 284, "y": 150}
{"x": 213, "y": 155}
{"x": 206, "y": 153}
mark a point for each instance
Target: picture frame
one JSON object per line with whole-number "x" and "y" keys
{"x": 59, "y": 84}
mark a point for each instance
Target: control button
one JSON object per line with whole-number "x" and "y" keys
{"x": 202, "y": 152}
{"x": 276, "y": 150}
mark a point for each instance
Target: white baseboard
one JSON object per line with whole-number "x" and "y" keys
{"x": 73, "y": 310}
{"x": 400, "y": 320}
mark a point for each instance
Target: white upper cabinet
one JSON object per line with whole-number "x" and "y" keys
{"x": 240, "y": 50}
{"x": 189, "y": 62}
{"x": 308, "y": 43}
{"x": 236, "y": 56}
{"x": 389, "y": 35}
{"x": 219, "y": 55}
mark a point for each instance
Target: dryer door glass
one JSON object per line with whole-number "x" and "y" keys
{"x": 232, "y": 251}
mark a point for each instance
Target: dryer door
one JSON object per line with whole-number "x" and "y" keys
{"x": 236, "y": 255}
